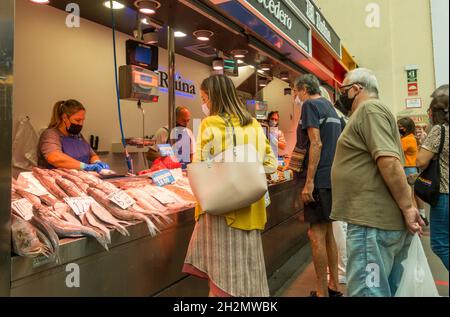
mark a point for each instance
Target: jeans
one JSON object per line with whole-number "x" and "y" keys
{"x": 439, "y": 229}
{"x": 374, "y": 260}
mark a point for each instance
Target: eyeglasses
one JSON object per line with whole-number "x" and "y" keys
{"x": 346, "y": 88}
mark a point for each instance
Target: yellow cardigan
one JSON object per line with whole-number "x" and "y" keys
{"x": 211, "y": 138}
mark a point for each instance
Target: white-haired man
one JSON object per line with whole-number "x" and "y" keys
{"x": 370, "y": 190}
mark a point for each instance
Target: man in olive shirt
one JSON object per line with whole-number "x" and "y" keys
{"x": 370, "y": 190}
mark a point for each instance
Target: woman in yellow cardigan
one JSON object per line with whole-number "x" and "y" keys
{"x": 227, "y": 250}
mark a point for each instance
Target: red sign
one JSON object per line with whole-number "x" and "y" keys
{"x": 413, "y": 89}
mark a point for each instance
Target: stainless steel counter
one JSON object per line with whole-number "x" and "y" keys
{"x": 141, "y": 265}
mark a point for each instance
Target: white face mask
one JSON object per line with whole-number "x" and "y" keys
{"x": 298, "y": 102}
{"x": 206, "y": 110}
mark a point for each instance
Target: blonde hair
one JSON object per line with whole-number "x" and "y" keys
{"x": 224, "y": 98}
{"x": 68, "y": 107}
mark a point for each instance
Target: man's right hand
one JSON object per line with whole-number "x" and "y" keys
{"x": 413, "y": 221}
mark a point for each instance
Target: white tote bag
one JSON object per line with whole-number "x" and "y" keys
{"x": 417, "y": 280}
{"x": 232, "y": 180}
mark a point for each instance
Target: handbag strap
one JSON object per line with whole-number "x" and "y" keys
{"x": 228, "y": 123}
{"x": 441, "y": 145}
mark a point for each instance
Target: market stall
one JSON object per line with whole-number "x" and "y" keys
{"x": 144, "y": 257}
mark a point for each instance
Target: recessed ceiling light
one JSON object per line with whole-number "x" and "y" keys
{"x": 203, "y": 35}
{"x": 265, "y": 67}
{"x": 145, "y": 21}
{"x": 263, "y": 82}
{"x": 115, "y": 5}
{"x": 41, "y": 1}
{"x": 239, "y": 53}
{"x": 147, "y": 6}
{"x": 218, "y": 64}
{"x": 260, "y": 71}
{"x": 179, "y": 34}
{"x": 284, "y": 76}
{"x": 240, "y": 61}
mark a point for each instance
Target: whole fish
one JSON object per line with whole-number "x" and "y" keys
{"x": 65, "y": 229}
{"x": 48, "y": 200}
{"x": 107, "y": 218}
{"x": 146, "y": 208}
{"x": 91, "y": 221}
{"x": 70, "y": 188}
{"x": 34, "y": 200}
{"x": 119, "y": 213}
{"x": 74, "y": 179}
{"x": 49, "y": 183}
{"x": 49, "y": 233}
{"x": 25, "y": 240}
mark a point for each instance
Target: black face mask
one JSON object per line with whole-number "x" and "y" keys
{"x": 345, "y": 104}
{"x": 74, "y": 129}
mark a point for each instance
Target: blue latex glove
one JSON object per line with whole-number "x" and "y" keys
{"x": 91, "y": 167}
{"x": 103, "y": 165}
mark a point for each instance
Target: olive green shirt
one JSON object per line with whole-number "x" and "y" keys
{"x": 360, "y": 195}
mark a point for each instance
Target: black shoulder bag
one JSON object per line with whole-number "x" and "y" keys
{"x": 427, "y": 185}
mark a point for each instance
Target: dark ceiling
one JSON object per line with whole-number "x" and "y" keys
{"x": 182, "y": 17}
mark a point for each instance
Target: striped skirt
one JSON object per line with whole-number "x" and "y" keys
{"x": 231, "y": 259}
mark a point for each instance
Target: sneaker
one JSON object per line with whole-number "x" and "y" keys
{"x": 333, "y": 293}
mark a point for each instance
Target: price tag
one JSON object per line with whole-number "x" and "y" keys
{"x": 274, "y": 177}
{"x": 281, "y": 162}
{"x": 31, "y": 184}
{"x": 122, "y": 199}
{"x": 165, "y": 150}
{"x": 79, "y": 205}
{"x": 288, "y": 175}
{"x": 24, "y": 208}
{"x": 163, "y": 178}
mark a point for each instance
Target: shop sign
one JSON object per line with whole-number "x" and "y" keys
{"x": 283, "y": 19}
{"x": 413, "y": 89}
{"x": 310, "y": 10}
{"x": 413, "y": 103}
{"x": 183, "y": 86}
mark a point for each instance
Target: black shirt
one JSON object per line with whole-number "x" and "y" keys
{"x": 320, "y": 114}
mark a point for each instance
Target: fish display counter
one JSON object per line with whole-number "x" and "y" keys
{"x": 144, "y": 258}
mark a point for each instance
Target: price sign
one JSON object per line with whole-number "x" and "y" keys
{"x": 122, "y": 199}
{"x": 163, "y": 178}
{"x": 79, "y": 205}
{"x": 24, "y": 208}
{"x": 165, "y": 150}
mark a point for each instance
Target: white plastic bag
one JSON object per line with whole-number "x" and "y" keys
{"x": 417, "y": 280}
{"x": 25, "y": 146}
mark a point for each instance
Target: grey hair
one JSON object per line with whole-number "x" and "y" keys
{"x": 441, "y": 91}
{"x": 366, "y": 78}
{"x": 308, "y": 82}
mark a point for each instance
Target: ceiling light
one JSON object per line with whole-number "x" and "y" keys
{"x": 147, "y": 6}
{"x": 179, "y": 34}
{"x": 240, "y": 61}
{"x": 41, "y": 1}
{"x": 265, "y": 67}
{"x": 203, "y": 35}
{"x": 115, "y": 5}
{"x": 260, "y": 71}
{"x": 284, "y": 76}
{"x": 218, "y": 64}
{"x": 150, "y": 36}
{"x": 263, "y": 82}
{"x": 145, "y": 21}
{"x": 239, "y": 53}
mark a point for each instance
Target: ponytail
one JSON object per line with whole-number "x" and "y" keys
{"x": 60, "y": 108}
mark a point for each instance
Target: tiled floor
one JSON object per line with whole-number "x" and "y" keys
{"x": 303, "y": 281}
